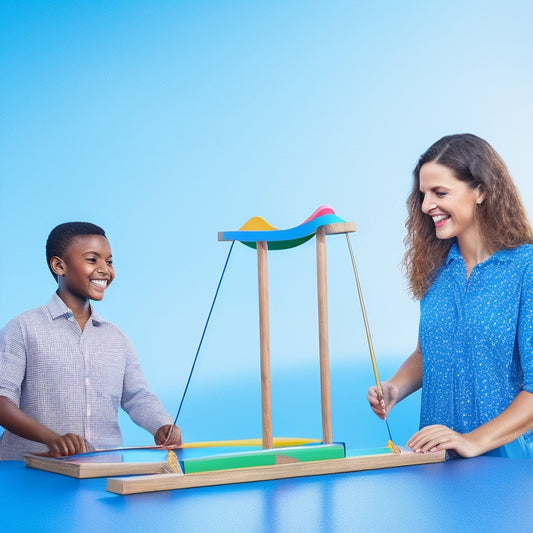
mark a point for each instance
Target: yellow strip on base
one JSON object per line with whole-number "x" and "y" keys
{"x": 278, "y": 442}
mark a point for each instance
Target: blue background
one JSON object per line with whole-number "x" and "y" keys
{"x": 165, "y": 122}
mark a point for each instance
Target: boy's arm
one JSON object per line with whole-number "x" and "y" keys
{"x": 15, "y": 421}
{"x": 142, "y": 405}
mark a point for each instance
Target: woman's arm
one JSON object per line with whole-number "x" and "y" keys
{"x": 506, "y": 427}
{"x": 406, "y": 380}
{"x": 15, "y": 421}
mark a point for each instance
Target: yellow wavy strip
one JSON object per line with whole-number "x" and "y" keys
{"x": 257, "y": 224}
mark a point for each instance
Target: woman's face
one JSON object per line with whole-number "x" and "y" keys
{"x": 450, "y": 202}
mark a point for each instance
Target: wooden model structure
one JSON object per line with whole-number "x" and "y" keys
{"x": 277, "y": 459}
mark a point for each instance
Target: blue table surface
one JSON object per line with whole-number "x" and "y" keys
{"x": 481, "y": 494}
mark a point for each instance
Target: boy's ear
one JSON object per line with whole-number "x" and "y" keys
{"x": 57, "y": 265}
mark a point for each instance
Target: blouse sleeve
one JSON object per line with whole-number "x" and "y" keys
{"x": 525, "y": 328}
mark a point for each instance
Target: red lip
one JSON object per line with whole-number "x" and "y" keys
{"x": 440, "y": 223}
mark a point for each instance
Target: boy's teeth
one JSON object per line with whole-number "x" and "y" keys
{"x": 101, "y": 282}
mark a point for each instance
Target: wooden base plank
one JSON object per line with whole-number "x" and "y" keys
{"x": 138, "y": 460}
{"x": 82, "y": 470}
{"x": 158, "y": 482}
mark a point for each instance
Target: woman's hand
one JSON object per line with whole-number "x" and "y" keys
{"x": 382, "y": 404}
{"x": 406, "y": 380}
{"x": 437, "y": 437}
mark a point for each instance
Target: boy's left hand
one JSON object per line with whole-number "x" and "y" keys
{"x": 168, "y": 435}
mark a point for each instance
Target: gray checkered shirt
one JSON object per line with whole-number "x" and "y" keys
{"x": 72, "y": 381}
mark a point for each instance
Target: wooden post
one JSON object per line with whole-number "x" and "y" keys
{"x": 323, "y": 337}
{"x": 264, "y": 345}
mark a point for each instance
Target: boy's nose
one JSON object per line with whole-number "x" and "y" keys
{"x": 103, "y": 268}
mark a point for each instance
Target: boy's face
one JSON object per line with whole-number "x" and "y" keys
{"x": 86, "y": 268}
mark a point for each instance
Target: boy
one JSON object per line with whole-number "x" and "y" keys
{"x": 64, "y": 370}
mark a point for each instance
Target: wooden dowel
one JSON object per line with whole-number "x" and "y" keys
{"x": 264, "y": 345}
{"x": 323, "y": 336}
{"x": 365, "y": 319}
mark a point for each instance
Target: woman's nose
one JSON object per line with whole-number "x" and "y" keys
{"x": 428, "y": 204}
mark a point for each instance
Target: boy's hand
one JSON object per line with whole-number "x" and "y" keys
{"x": 69, "y": 444}
{"x": 168, "y": 435}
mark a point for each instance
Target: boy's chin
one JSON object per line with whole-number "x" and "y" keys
{"x": 96, "y": 297}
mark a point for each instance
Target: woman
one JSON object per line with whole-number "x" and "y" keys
{"x": 469, "y": 260}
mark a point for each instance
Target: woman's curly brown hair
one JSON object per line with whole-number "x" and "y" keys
{"x": 502, "y": 217}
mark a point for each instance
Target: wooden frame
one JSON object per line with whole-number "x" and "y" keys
{"x": 259, "y": 234}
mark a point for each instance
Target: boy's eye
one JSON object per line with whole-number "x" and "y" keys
{"x": 91, "y": 259}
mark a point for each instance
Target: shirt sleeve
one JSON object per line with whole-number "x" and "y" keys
{"x": 142, "y": 405}
{"x": 12, "y": 361}
{"x": 525, "y": 328}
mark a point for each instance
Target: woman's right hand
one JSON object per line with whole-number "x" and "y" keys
{"x": 382, "y": 404}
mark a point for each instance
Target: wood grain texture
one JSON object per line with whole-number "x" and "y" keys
{"x": 323, "y": 335}
{"x": 340, "y": 227}
{"x": 264, "y": 344}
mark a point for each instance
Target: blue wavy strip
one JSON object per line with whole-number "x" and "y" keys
{"x": 281, "y": 235}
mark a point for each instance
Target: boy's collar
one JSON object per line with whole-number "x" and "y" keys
{"x": 58, "y": 308}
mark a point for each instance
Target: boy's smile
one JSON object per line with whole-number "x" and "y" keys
{"x": 85, "y": 270}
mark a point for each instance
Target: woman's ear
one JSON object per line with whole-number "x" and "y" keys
{"x": 481, "y": 194}
{"x": 58, "y": 266}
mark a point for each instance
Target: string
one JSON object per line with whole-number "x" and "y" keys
{"x": 202, "y": 337}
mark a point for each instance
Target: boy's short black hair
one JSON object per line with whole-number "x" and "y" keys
{"x": 61, "y": 237}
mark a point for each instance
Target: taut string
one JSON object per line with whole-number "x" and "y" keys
{"x": 203, "y": 335}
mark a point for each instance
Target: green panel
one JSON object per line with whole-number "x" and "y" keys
{"x": 315, "y": 453}
{"x": 221, "y": 462}
{"x": 262, "y": 457}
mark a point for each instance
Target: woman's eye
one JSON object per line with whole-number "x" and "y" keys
{"x": 440, "y": 194}
{"x": 109, "y": 262}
